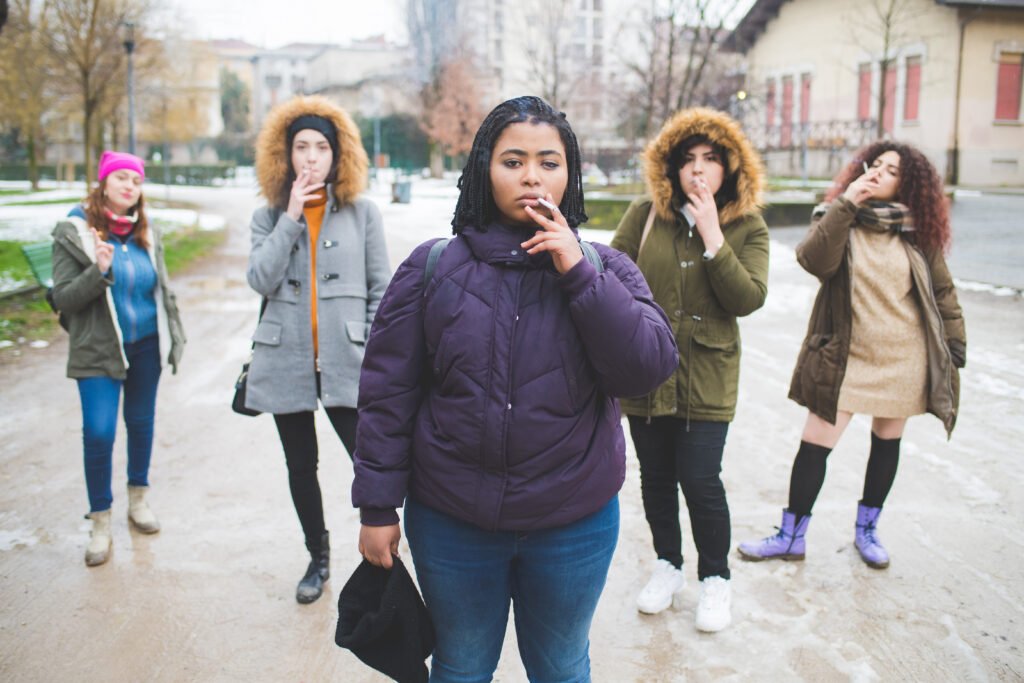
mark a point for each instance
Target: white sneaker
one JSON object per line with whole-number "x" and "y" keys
{"x": 714, "y": 605}
{"x": 664, "y": 588}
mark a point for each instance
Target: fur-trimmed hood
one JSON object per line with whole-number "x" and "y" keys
{"x": 720, "y": 129}
{"x": 272, "y": 153}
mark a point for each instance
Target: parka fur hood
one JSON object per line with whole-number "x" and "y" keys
{"x": 721, "y": 129}
{"x": 273, "y": 155}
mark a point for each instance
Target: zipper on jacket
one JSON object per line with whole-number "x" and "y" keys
{"x": 129, "y": 277}
{"x": 508, "y": 385}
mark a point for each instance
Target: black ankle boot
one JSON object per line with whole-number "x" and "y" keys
{"x": 311, "y": 586}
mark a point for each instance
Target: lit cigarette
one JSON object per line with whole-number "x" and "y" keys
{"x": 546, "y": 204}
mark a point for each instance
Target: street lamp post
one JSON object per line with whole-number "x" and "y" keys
{"x": 129, "y": 47}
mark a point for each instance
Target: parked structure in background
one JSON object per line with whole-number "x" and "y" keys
{"x": 944, "y": 75}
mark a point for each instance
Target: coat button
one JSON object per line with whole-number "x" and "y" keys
{"x": 515, "y": 252}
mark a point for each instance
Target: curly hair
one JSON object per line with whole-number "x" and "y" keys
{"x": 96, "y": 203}
{"x": 920, "y": 188}
{"x": 476, "y": 203}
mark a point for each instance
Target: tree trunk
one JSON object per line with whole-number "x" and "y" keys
{"x": 87, "y": 146}
{"x": 436, "y": 161}
{"x": 33, "y": 165}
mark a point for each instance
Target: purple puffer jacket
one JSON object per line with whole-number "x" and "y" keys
{"x": 490, "y": 398}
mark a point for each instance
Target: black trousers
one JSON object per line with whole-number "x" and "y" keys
{"x": 671, "y": 457}
{"x": 298, "y": 437}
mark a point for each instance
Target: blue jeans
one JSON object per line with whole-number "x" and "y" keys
{"x": 673, "y": 456}
{"x": 100, "y": 397}
{"x": 468, "y": 576}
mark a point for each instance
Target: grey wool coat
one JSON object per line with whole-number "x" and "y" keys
{"x": 352, "y": 273}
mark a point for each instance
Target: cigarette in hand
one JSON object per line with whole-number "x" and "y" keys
{"x": 546, "y": 204}
{"x": 865, "y": 165}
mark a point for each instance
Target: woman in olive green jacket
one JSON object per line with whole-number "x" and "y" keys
{"x": 702, "y": 244}
{"x": 886, "y": 334}
{"x": 110, "y": 284}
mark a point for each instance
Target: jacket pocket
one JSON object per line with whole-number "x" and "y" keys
{"x": 713, "y": 372}
{"x": 329, "y": 289}
{"x": 357, "y": 331}
{"x": 267, "y": 333}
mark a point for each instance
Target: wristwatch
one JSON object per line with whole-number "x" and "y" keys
{"x": 707, "y": 252}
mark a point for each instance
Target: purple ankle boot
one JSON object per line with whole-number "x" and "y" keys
{"x": 788, "y": 544}
{"x": 868, "y": 545}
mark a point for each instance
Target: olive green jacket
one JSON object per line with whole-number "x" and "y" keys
{"x": 820, "y": 368}
{"x": 702, "y": 299}
{"x": 82, "y": 293}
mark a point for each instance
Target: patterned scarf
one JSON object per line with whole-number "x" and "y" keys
{"x": 878, "y": 216}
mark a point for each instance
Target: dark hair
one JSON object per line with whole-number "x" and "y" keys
{"x": 920, "y": 188}
{"x": 95, "y": 204}
{"x": 476, "y": 203}
{"x": 726, "y": 193}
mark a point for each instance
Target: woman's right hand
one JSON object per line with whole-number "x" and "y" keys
{"x": 303, "y": 190}
{"x": 378, "y": 543}
{"x": 104, "y": 251}
{"x": 862, "y": 189}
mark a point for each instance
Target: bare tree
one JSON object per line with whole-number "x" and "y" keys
{"x": 24, "y": 74}
{"x": 882, "y": 28}
{"x": 675, "y": 49}
{"x": 456, "y": 114}
{"x": 554, "y": 69}
{"x": 85, "y": 41}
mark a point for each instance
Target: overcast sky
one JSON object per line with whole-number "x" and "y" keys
{"x": 273, "y": 23}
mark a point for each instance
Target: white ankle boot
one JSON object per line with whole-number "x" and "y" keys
{"x": 98, "y": 550}
{"x": 664, "y": 588}
{"x": 138, "y": 510}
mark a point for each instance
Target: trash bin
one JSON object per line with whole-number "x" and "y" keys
{"x": 401, "y": 192}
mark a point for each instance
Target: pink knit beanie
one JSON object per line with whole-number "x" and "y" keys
{"x": 115, "y": 161}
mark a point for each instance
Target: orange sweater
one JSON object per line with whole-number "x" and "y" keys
{"x": 314, "y": 213}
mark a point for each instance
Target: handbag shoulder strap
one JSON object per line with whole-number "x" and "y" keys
{"x": 647, "y": 229}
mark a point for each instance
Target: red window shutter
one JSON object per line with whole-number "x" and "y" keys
{"x": 1008, "y": 86}
{"x": 805, "y": 98}
{"x": 864, "y": 93}
{"x": 889, "y": 113}
{"x": 913, "y": 89}
{"x": 770, "y": 104}
{"x": 787, "y": 112}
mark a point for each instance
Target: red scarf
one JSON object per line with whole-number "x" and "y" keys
{"x": 120, "y": 225}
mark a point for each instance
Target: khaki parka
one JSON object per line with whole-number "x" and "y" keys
{"x": 820, "y": 368}
{"x": 702, "y": 298}
{"x": 82, "y": 293}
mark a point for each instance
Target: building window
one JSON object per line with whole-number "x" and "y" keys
{"x": 912, "y": 89}
{"x": 786, "y": 137}
{"x": 805, "y": 98}
{"x": 1008, "y": 86}
{"x": 864, "y": 93}
{"x": 889, "y": 88}
{"x": 597, "y": 55}
{"x": 597, "y": 28}
{"x": 769, "y": 103}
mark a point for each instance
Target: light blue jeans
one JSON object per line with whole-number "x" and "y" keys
{"x": 469, "y": 576}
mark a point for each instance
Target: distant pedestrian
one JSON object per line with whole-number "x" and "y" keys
{"x": 319, "y": 260}
{"x": 702, "y": 244}
{"x": 487, "y": 405}
{"x": 110, "y": 283}
{"x": 885, "y": 338}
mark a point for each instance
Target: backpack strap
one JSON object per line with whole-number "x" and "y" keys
{"x": 591, "y": 253}
{"x": 647, "y": 230}
{"x": 433, "y": 256}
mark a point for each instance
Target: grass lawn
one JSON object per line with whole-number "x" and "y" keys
{"x": 28, "y": 316}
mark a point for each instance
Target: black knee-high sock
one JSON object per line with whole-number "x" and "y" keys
{"x": 881, "y": 473}
{"x": 807, "y": 477}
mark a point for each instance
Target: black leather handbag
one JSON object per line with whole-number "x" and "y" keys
{"x": 238, "y": 402}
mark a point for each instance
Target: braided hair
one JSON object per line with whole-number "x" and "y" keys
{"x": 476, "y": 205}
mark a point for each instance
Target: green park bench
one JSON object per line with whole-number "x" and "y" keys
{"x": 40, "y": 259}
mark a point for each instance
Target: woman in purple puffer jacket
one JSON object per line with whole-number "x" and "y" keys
{"x": 487, "y": 406}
